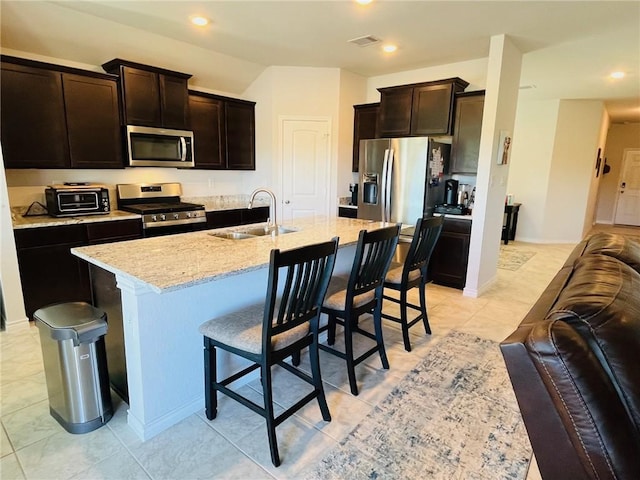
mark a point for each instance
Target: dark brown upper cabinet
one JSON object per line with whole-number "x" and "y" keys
{"x": 240, "y": 134}
{"x": 418, "y": 109}
{"x": 58, "y": 117}
{"x": 224, "y": 132}
{"x": 365, "y": 120}
{"x": 465, "y": 148}
{"x": 152, "y": 96}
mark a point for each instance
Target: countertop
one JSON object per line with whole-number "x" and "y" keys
{"x": 177, "y": 261}
{"x": 230, "y": 202}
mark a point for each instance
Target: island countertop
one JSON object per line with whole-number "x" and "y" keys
{"x": 174, "y": 262}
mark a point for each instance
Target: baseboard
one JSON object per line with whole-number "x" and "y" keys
{"x": 145, "y": 431}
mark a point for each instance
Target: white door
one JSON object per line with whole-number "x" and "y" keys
{"x": 628, "y": 204}
{"x": 305, "y": 167}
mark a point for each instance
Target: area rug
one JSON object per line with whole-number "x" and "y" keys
{"x": 453, "y": 416}
{"x": 513, "y": 258}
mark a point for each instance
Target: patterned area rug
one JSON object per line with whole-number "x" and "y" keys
{"x": 513, "y": 258}
{"x": 453, "y": 416}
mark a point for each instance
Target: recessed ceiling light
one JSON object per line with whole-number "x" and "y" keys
{"x": 199, "y": 21}
{"x": 364, "y": 2}
{"x": 617, "y": 75}
{"x": 389, "y": 48}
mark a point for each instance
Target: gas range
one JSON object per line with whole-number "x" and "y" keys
{"x": 160, "y": 207}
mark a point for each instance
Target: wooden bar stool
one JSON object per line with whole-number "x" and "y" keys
{"x": 413, "y": 273}
{"x": 284, "y": 325}
{"x": 363, "y": 294}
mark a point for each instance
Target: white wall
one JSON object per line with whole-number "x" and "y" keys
{"x": 572, "y": 165}
{"x": 533, "y": 143}
{"x": 596, "y": 176}
{"x": 620, "y": 136}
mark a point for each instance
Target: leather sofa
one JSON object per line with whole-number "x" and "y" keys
{"x": 574, "y": 363}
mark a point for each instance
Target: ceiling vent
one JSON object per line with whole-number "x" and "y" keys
{"x": 365, "y": 41}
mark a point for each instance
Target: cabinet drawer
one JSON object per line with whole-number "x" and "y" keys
{"x": 38, "y": 237}
{"x": 111, "y": 231}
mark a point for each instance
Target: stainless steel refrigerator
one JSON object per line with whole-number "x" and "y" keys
{"x": 401, "y": 179}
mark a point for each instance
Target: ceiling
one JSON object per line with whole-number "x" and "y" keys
{"x": 570, "y": 47}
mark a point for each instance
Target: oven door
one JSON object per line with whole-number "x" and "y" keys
{"x": 159, "y": 147}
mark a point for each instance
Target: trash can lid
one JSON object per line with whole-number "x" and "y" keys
{"x": 77, "y": 320}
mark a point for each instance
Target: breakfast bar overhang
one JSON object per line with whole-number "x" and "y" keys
{"x": 170, "y": 285}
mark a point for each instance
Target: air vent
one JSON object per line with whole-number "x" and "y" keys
{"x": 527, "y": 87}
{"x": 365, "y": 41}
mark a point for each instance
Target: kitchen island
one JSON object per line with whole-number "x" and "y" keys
{"x": 170, "y": 285}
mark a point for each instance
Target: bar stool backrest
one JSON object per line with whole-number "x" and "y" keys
{"x": 422, "y": 245}
{"x": 305, "y": 273}
{"x": 372, "y": 259}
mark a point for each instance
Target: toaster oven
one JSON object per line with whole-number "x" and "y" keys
{"x": 73, "y": 200}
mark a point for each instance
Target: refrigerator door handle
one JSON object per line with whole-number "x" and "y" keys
{"x": 383, "y": 193}
{"x": 387, "y": 174}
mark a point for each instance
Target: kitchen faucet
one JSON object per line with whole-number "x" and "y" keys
{"x": 271, "y": 225}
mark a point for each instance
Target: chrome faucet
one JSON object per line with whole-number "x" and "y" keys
{"x": 272, "y": 223}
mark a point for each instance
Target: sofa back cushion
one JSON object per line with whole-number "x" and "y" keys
{"x": 601, "y": 301}
{"x": 616, "y": 246}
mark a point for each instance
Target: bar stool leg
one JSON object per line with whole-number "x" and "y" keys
{"x": 268, "y": 405}
{"x": 423, "y": 308}
{"x": 348, "y": 350}
{"x": 210, "y": 393}
{"x": 377, "y": 323}
{"x": 404, "y": 321}
{"x": 317, "y": 381}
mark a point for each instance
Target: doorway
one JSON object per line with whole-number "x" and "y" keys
{"x": 305, "y": 166}
{"x": 628, "y": 195}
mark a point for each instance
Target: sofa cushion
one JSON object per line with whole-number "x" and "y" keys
{"x": 601, "y": 301}
{"x": 617, "y": 246}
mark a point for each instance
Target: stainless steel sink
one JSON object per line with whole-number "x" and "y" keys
{"x": 232, "y": 235}
{"x": 261, "y": 231}
{"x": 252, "y": 232}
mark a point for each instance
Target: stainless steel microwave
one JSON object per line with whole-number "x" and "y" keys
{"x": 159, "y": 147}
{"x": 72, "y": 200}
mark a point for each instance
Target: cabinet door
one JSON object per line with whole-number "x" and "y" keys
{"x": 32, "y": 125}
{"x": 207, "y": 125}
{"x": 395, "y": 112}
{"x": 431, "y": 109}
{"x": 93, "y": 122}
{"x": 448, "y": 264}
{"x": 48, "y": 271}
{"x": 254, "y": 215}
{"x": 174, "y": 101}
{"x": 465, "y": 148}
{"x": 141, "y": 97}
{"x": 224, "y": 218}
{"x": 113, "y": 231}
{"x": 365, "y": 122}
{"x": 240, "y": 135}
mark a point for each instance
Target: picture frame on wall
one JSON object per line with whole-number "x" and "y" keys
{"x": 504, "y": 147}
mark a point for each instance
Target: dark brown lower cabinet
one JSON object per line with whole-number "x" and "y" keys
{"x": 235, "y": 217}
{"x": 49, "y": 272}
{"x": 448, "y": 265}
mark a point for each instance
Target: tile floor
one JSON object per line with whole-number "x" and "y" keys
{"x": 34, "y": 446}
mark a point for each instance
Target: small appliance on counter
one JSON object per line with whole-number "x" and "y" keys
{"x": 353, "y": 188}
{"x": 451, "y": 192}
{"x": 74, "y": 199}
{"x": 451, "y": 209}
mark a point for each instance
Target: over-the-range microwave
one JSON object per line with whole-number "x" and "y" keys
{"x": 159, "y": 147}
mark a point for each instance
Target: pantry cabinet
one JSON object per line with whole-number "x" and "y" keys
{"x": 418, "y": 109}
{"x": 58, "y": 117}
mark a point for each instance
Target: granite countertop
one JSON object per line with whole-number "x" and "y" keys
{"x": 177, "y": 261}
{"x": 222, "y": 202}
{"x": 20, "y": 222}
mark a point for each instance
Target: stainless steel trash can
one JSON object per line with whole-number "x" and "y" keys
{"x": 75, "y": 365}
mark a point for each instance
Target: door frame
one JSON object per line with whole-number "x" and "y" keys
{"x": 625, "y": 152}
{"x": 280, "y": 157}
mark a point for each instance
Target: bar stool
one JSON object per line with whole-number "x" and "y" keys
{"x": 285, "y": 324}
{"x": 363, "y": 294}
{"x": 413, "y": 273}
